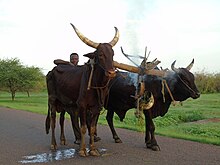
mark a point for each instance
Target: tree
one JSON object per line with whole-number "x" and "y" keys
{"x": 32, "y": 76}
{"x": 16, "y": 77}
{"x": 9, "y": 75}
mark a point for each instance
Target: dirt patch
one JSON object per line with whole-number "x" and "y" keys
{"x": 214, "y": 120}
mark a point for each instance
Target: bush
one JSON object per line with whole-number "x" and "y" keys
{"x": 167, "y": 120}
{"x": 191, "y": 116}
{"x": 207, "y": 83}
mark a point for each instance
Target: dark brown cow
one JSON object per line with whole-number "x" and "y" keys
{"x": 68, "y": 87}
{"x": 180, "y": 82}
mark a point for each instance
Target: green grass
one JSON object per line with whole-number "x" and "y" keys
{"x": 179, "y": 122}
{"x": 37, "y": 102}
{"x": 204, "y": 133}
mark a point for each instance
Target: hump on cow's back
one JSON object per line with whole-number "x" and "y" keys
{"x": 63, "y": 66}
{"x": 59, "y": 61}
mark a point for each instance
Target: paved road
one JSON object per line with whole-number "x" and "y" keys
{"x": 23, "y": 141}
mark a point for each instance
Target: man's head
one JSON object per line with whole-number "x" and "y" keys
{"x": 74, "y": 58}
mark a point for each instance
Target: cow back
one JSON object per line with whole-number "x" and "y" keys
{"x": 68, "y": 80}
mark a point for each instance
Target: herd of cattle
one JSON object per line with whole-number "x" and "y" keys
{"x": 82, "y": 91}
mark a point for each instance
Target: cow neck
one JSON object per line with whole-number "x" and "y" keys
{"x": 164, "y": 82}
{"x": 92, "y": 64}
{"x": 101, "y": 90}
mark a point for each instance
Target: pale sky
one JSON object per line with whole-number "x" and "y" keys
{"x": 39, "y": 31}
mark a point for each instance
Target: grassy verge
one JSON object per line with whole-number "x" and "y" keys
{"x": 179, "y": 122}
{"x": 37, "y": 102}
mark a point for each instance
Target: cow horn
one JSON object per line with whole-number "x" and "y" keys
{"x": 115, "y": 39}
{"x": 190, "y": 65}
{"x": 173, "y": 67}
{"x": 84, "y": 39}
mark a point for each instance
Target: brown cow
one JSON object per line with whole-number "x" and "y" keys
{"x": 68, "y": 87}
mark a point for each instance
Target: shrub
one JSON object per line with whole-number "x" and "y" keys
{"x": 191, "y": 116}
{"x": 207, "y": 83}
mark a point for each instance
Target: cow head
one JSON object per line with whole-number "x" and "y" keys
{"x": 104, "y": 53}
{"x": 186, "y": 81}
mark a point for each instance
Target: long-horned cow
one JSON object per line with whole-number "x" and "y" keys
{"x": 180, "y": 86}
{"x": 83, "y": 89}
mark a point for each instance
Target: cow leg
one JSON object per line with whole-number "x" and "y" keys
{"x": 93, "y": 151}
{"x": 154, "y": 146}
{"x": 62, "y": 136}
{"x": 96, "y": 137}
{"x": 82, "y": 151}
{"x": 53, "y": 125}
{"x": 147, "y": 132}
{"x": 88, "y": 123}
{"x": 150, "y": 139}
{"x": 109, "y": 118}
{"x": 75, "y": 125}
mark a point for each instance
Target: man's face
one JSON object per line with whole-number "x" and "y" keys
{"x": 74, "y": 60}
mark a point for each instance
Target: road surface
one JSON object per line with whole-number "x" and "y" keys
{"x": 23, "y": 141}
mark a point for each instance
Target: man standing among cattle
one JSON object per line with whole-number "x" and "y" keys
{"x": 74, "y": 59}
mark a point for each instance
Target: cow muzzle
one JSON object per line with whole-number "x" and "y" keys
{"x": 196, "y": 95}
{"x": 110, "y": 74}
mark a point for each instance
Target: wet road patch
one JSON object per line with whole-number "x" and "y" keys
{"x": 54, "y": 156}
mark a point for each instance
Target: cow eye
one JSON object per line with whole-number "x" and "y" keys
{"x": 101, "y": 54}
{"x": 182, "y": 77}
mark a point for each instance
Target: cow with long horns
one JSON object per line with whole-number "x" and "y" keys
{"x": 81, "y": 90}
{"x": 179, "y": 86}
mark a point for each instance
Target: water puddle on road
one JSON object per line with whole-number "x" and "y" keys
{"x": 54, "y": 156}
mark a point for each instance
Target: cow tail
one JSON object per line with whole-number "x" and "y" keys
{"x": 47, "y": 123}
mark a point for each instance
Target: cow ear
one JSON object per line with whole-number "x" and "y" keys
{"x": 90, "y": 55}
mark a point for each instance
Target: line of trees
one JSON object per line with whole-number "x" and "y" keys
{"x": 208, "y": 83}
{"x": 16, "y": 77}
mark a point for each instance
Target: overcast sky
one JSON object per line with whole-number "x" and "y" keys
{"x": 39, "y": 31}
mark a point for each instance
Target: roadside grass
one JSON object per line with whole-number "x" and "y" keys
{"x": 201, "y": 132}
{"x": 37, "y": 102}
{"x": 179, "y": 122}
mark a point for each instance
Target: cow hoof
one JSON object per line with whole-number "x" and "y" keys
{"x": 53, "y": 147}
{"x": 96, "y": 138}
{"x": 155, "y": 148}
{"x": 83, "y": 153}
{"x": 94, "y": 153}
{"x": 63, "y": 142}
{"x": 118, "y": 140}
{"x": 77, "y": 142}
